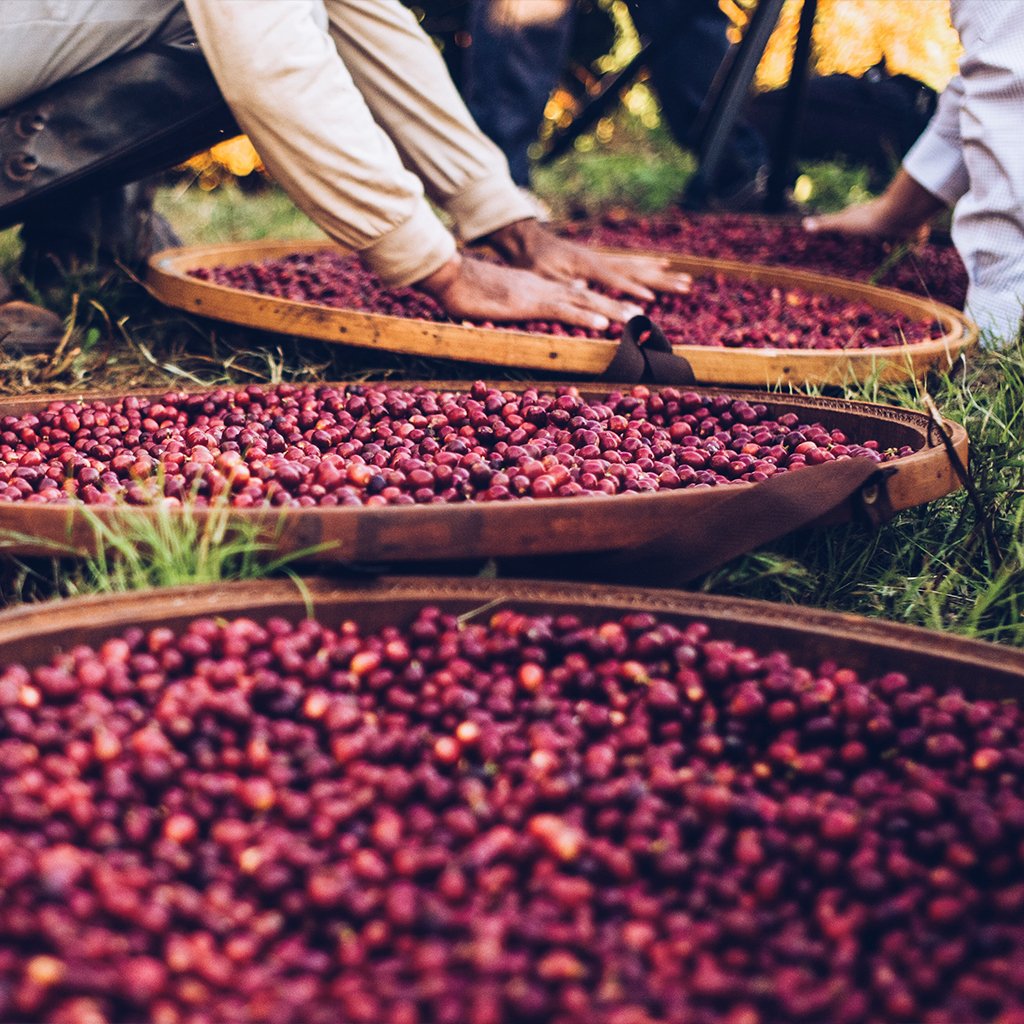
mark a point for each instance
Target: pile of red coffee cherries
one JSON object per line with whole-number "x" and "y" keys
{"x": 388, "y": 445}
{"x": 719, "y": 312}
{"x": 528, "y": 818}
{"x": 935, "y": 271}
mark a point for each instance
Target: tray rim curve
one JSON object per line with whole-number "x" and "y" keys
{"x": 479, "y": 529}
{"x": 985, "y": 668}
{"x": 168, "y": 281}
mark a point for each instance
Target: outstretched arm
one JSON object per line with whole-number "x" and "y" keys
{"x": 403, "y": 77}
{"x": 903, "y": 210}
{"x": 281, "y": 75}
{"x": 283, "y": 78}
{"x": 409, "y": 91}
{"x": 932, "y": 178}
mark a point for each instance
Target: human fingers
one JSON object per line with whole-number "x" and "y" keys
{"x": 660, "y": 275}
{"x": 639, "y": 277}
{"x": 588, "y": 308}
{"x": 864, "y": 220}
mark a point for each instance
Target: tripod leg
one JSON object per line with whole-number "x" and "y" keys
{"x": 612, "y": 87}
{"x": 792, "y": 113}
{"x": 732, "y": 95}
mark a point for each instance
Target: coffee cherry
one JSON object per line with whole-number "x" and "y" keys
{"x": 533, "y": 817}
{"x": 364, "y": 445}
{"x": 720, "y": 311}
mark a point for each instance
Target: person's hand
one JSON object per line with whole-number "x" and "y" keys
{"x": 902, "y": 211}
{"x": 479, "y": 290}
{"x": 528, "y": 244}
{"x": 873, "y": 219}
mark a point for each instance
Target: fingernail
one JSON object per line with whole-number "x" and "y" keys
{"x": 601, "y": 323}
{"x": 810, "y": 224}
{"x": 629, "y": 311}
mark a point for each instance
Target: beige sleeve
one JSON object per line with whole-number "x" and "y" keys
{"x": 406, "y": 84}
{"x": 291, "y": 92}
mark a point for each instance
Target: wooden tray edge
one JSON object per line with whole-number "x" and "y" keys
{"x": 472, "y": 530}
{"x": 980, "y": 668}
{"x": 169, "y": 282}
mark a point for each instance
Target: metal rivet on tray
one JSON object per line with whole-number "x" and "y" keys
{"x": 29, "y": 124}
{"x": 20, "y": 167}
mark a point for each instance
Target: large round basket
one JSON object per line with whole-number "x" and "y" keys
{"x": 261, "y": 723}
{"x": 169, "y": 280}
{"x": 516, "y": 528}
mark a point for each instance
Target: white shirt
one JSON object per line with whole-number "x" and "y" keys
{"x": 972, "y": 157}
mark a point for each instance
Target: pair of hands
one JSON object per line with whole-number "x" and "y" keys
{"x": 545, "y": 277}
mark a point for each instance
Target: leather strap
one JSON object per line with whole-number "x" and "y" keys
{"x": 732, "y": 523}
{"x": 130, "y": 116}
{"x": 749, "y": 518}
{"x": 645, "y": 356}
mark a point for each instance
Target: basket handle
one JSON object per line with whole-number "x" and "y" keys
{"x": 645, "y": 356}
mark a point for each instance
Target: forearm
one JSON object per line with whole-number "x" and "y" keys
{"x": 463, "y": 170}
{"x": 908, "y": 203}
{"x": 290, "y": 91}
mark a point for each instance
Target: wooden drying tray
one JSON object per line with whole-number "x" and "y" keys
{"x": 32, "y": 634}
{"x": 168, "y": 281}
{"x": 473, "y": 530}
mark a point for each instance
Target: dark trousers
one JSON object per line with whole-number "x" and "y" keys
{"x": 510, "y": 73}
{"x": 66, "y": 152}
{"x": 687, "y": 44}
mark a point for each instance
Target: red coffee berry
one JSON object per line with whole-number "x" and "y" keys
{"x": 366, "y": 445}
{"x": 258, "y": 838}
{"x": 720, "y": 311}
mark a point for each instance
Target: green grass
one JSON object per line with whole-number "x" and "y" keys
{"x": 931, "y": 566}
{"x": 226, "y": 214}
{"x": 641, "y": 170}
{"x": 168, "y": 548}
{"x": 644, "y": 171}
{"x": 833, "y": 186}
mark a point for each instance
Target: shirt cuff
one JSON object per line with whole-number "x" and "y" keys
{"x": 938, "y": 167}
{"x": 487, "y": 205}
{"x": 412, "y": 251}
